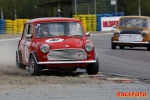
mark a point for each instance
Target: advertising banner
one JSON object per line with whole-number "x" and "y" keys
{"x": 107, "y": 23}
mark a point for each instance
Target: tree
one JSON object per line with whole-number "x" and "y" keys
{"x": 131, "y": 7}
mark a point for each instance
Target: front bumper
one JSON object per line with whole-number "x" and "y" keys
{"x": 67, "y": 62}
{"x": 124, "y": 42}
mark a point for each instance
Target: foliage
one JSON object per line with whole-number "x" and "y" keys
{"x": 131, "y": 7}
{"x": 27, "y": 9}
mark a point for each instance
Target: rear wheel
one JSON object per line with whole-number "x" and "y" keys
{"x": 34, "y": 68}
{"x": 19, "y": 64}
{"x": 121, "y": 47}
{"x": 93, "y": 68}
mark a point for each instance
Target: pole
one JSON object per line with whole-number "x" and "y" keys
{"x": 88, "y": 8}
{"x": 75, "y": 5}
{"x": 95, "y": 6}
{"x": 35, "y": 11}
{"x": 139, "y": 8}
{"x": 1, "y": 10}
{"x": 15, "y": 9}
{"x": 116, "y": 5}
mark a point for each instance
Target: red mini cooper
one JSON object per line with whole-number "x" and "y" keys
{"x": 56, "y": 43}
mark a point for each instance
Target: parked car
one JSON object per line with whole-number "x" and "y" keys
{"x": 56, "y": 43}
{"x": 132, "y": 31}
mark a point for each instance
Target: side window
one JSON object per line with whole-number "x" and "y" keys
{"x": 30, "y": 29}
{"x": 27, "y": 30}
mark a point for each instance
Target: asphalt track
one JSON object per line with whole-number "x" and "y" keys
{"x": 131, "y": 62}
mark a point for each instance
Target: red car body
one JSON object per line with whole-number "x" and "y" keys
{"x": 57, "y": 50}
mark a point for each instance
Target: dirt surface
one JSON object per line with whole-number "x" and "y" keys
{"x": 12, "y": 76}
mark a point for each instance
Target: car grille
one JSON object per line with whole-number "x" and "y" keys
{"x": 130, "y": 38}
{"x": 67, "y": 54}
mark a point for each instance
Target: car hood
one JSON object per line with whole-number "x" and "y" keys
{"x": 61, "y": 43}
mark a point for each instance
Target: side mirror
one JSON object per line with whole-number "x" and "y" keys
{"x": 88, "y": 34}
{"x": 28, "y": 36}
{"x": 114, "y": 26}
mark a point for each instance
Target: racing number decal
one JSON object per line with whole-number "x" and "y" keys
{"x": 26, "y": 53}
{"x": 27, "y": 45}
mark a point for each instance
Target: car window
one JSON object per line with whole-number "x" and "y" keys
{"x": 30, "y": 29}
{"x": 134, "y": 22}
{"x": 27, "y": 30}
{"x": 58, "y": 29}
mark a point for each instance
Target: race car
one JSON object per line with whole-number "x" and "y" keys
{"x": 132, "y": 31}
{"x": 56, "y": 43}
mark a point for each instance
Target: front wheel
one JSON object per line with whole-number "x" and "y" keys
{"x": 121, "y": 47}
{"x": 92, "y": 69}
{"x": 34, "y": 68}
{"x": 113, "y": 45}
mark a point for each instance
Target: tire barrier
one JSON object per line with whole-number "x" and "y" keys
{"x": 92, "y": 22}
{"x": 76, "y": 17}
{"x": 83, "y": 20}
{"x": 98, "y": 27}
{"x": 120, "y": 13}
{"x": 8, "y": 26}
{"x": 2, "y": 26}
{"x": 20, "y": 25}
{"x": 89, "y": 22}
{"x": 12, "y": 26}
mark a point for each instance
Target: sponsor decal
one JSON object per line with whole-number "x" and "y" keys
{"x": 132, "y": 94}
{"x": 66, "y": 45}
{"x": 54, "y": 40}
{"x": 107, "y": 23}
{"x": 110, "y": 23}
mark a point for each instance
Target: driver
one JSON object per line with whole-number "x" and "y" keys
{"x": 44, "y": 31}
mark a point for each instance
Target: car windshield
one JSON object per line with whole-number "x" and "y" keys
{"x": 58, "y": 29}
{"x": 134, "y": 22}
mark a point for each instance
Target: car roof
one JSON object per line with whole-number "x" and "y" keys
{"x": 142, "y": 17}
{"x": 52, "y": 19}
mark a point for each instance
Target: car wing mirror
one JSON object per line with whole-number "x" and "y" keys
{"x": 114, "y": 26}
{"x": 28, "y": 36}
{"x": 88, "y": 34}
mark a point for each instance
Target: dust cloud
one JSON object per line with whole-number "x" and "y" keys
{"x": 8, "y": 59}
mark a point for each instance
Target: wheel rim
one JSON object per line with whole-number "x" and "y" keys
{"x": 31, "y": 65}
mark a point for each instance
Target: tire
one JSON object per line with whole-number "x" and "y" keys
{"x": 18, "y": 64}
{"x": 113, "y": 45}
{"x": 121, "y": 47}
{"x": 92, "y": 69}
{"x": 34, "y": 68}
{"x": 148, "y": 47}
{"x": 73, "y": 69}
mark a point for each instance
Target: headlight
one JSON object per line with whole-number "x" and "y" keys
{"x": 89, "y": 47}
{"x": 116, "y": 33}
{"x": 144, "y": 34}
{"x": 44, "y": 48}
